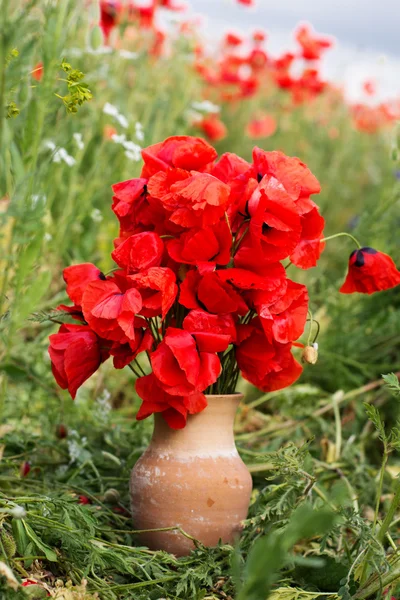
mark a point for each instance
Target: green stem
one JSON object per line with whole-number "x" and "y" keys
{"x": 336, "y": 235}
{"x": 390, "y": 514}
{"x": 378, "y": 583}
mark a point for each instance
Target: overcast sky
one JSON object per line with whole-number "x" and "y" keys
{"x": 368, "y": 24}
{"x": 367, "y": 33}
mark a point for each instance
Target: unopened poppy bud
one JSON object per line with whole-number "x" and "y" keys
{"x": 61, "y": 431}
{"x": 111, "y": 496}
{"x": 310, "y": 354}
{"x": 9, "y": 543}
{"x": 25, "y": 468}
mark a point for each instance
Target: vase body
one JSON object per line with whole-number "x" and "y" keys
{"x": 192, "y": 478}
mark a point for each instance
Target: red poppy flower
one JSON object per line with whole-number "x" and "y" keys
{"x": 170, "y": 5}
{"x": 292, "y": 174}
{"x": 262, "y": 127}
{"x": 123, "y": 354}
{"x": 312, "y": 46}
{"x": 259, "y": 35}
{"x": 211, "y": 292}
{"x": 275, "y": 224}
{"x": 76, "y": 352}
{"x": 110, "y": 310}
{"x": 37, "y": 72}
{"x": 233, "y": 39}
{"x": 210, "y": 245}
{"x": 246, "y": 2}
{"x": 179, "y": 366}
{"x": 158, "y": 290}
{"x": 183, "y": 152}
{"x": 212, "y": 127}
{"x": 263, "y": 285}
{"x": 139, "y": 251}
{"x": 309, "y": 248}
{"x": 77, "y": 278}
{"x": 173, "y": 408}
{"x": 370, "y": 271}
{"x": 257, "y": 59}
{"x": 213, "y": 333}
{"x": 285, "y": 319}
{"x": 127, "y": 200}
{"x": 369, "y": 87}
{"x": 193, "y": 200}
{"x": 109, "y": 14}
{"x": 268, "y": 366}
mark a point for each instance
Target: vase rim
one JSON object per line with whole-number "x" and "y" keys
{"x": 235, "y": 395}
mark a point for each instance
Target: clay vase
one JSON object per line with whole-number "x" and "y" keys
{"x": 193, "y": 479}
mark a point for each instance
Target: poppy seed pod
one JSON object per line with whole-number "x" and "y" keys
{"x": 111, "y": 496}
{"x": 310, "y": 354}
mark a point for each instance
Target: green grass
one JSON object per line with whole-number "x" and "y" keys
{"x": 310, "y": 448}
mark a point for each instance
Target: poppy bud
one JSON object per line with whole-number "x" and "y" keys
{"x": 310, "y": 354}
{"x": 111, "y": 496}
{"x": 25, "y": 468}
{"x": 9, "y": 544}
{"x": 61, "y": 431}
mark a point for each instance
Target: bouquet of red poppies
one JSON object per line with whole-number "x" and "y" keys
{"x": 201, "y": 286}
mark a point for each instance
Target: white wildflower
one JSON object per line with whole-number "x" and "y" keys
{"x": 139, "y": 132}
{"x": 60, "y": 154}
{"x": 192, "y": 116}
{"x": 119, "y": 139}
{"x": 110, "y": 109}
{"x": 206, "y": 106}
{"x": 47, "y": 237}
{"x": 79, "y": 140}
{"x": 128, "y": 54}
{"x": 50, "y": 145}
{"x": 123, "y": 121}
{"x": 96, "y": 215}
{"x": 135, "y": 156}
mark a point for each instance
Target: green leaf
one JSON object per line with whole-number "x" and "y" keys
{"x": 392, "y": 383}
{"x": 49, "y": 553}
{"x": 375, "y": 418}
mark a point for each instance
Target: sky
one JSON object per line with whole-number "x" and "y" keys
{"x": 367, "y": 34}
{"x": 368, "y": 24}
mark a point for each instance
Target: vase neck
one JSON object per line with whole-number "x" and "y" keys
{"x": 208, "y": 433}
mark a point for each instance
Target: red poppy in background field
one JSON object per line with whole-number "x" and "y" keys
{"x": 37, "y": 72}
{"x": 312, "y": 46}
{"x": 370, "y": 271}
{"x": 213, "y": 128}
{"x": 261, "y": 127}
{"x": 110, "y": 11}
{"x": 232, "y": 39}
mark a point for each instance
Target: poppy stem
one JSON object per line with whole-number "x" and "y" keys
{"x": 336, "y": 235}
